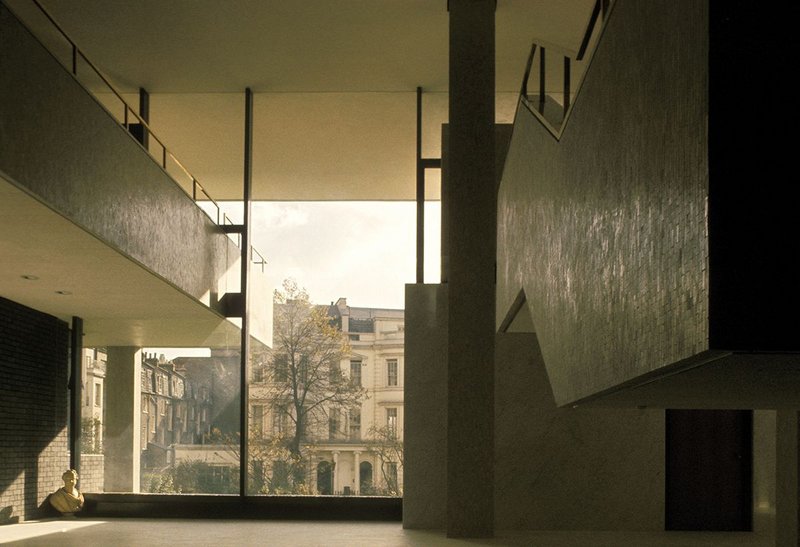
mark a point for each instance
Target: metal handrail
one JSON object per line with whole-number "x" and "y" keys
{"x": 261, "y": 260}
{"x": 590, "y": 29}
{"x": 600, "y": 12}
{"x": 128, "y": 110}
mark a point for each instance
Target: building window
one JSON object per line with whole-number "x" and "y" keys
{"x": 98, "y": 395}
{"x": 333, "y": 423}
{"x": 258, "y": 420}
{"x": 258, "y": 374}
{"x": 355, "y": 373}
{"x": 280, "y": 475}
{"x": 391, "y": 422}
{"x": 391, "y": 372}
{"x": 281, "y": 366}
{"x": 280, "y": 420}
{"x": 355, "y": 424}
{"x": 179, "y": 388}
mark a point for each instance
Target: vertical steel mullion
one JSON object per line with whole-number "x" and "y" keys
{"x": 566, "y": 84}
{"x": 420, "y": 195}
{"x": 245, "y": 292}
{"x": 144, "y": 114}
{"x": 75, "y": 384}
{"x": 524, "y": 90}
{"x": 541, "y": 79}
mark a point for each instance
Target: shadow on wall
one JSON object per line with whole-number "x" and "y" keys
{"x": 33, "y": 407}
{"x": 549, "y": 457}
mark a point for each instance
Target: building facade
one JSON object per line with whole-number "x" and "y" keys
{"x": 93, "y": 400}
{"x": 358, "y": 450}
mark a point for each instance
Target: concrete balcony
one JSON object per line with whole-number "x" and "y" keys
{"x": 98, "y": 228}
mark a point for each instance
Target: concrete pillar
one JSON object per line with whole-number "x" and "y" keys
{"x": 356, "y": 473}
{"x": 472, "y": 210}
{"x": 336, "y": 487}
{"x": 425, "y": 408}
{"x": 123, "y": 419}
{"x": 787, "y": 524}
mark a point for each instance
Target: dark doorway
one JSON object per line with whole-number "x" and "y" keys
{"x": 709, "y": 468}
{"x": 365, "y": 479}
{"x": 325, "y": 479}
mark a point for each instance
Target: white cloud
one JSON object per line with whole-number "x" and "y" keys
{"x": 363, "y": 251}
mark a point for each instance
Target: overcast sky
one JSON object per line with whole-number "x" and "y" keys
{"x": 363, "y": 251}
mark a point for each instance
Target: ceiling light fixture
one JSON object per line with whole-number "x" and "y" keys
{"x": 29, "y": 277}
{"x": 64, "y": 292}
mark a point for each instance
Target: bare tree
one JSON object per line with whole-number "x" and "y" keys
{"x": 304, "y": 369}
{"x": 385, "y": 443}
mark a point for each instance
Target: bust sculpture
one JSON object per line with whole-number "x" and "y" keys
{"x": 67, "y": 500}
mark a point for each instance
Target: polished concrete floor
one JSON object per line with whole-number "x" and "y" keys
{"x": 157, "y": 532}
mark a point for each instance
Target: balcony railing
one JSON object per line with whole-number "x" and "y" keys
{"x": 146, "y": 138}
{"x": 550, "y": 106}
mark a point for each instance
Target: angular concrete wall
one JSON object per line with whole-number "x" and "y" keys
{"x": 605, "y": 230}
{"x": 554, "y": 468}
{"x": 570, "y": 469}
{"x": 59, "y": 145}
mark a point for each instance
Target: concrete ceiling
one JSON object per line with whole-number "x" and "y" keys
{"x": 275, "y": 46}
{"x": 334, "y": 120}
{"x": 73, "y": 273}
{"x": 334, "y": 82}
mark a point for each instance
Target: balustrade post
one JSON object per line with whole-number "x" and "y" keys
{"x": 541, "y": 79}
{"x": 566, "y": 84}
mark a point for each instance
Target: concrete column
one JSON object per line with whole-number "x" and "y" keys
{"x": 472, "y": 210}
{"x": 123, "y": 419}
{"x": 787, "y": 524}
{"x": 425, "y": 412}
{"x": 356, "y": 473}
{"x": 335, "y": 486}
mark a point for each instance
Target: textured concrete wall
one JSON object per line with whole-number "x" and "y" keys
{"x": 58, "y": 144}
{"x": 555, "y": 469}
{"x": 764, "y": 462}
{"x": 787, "y": 479}
{"x": 425, "y": 408}
{"x": 33, "y": 407}
{"x": 605, "y": 230}
{"x": 565, "y": 468}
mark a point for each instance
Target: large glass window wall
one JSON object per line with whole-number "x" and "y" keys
{"x": 161, "y": 420}
{"x": 324, "y": 389}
